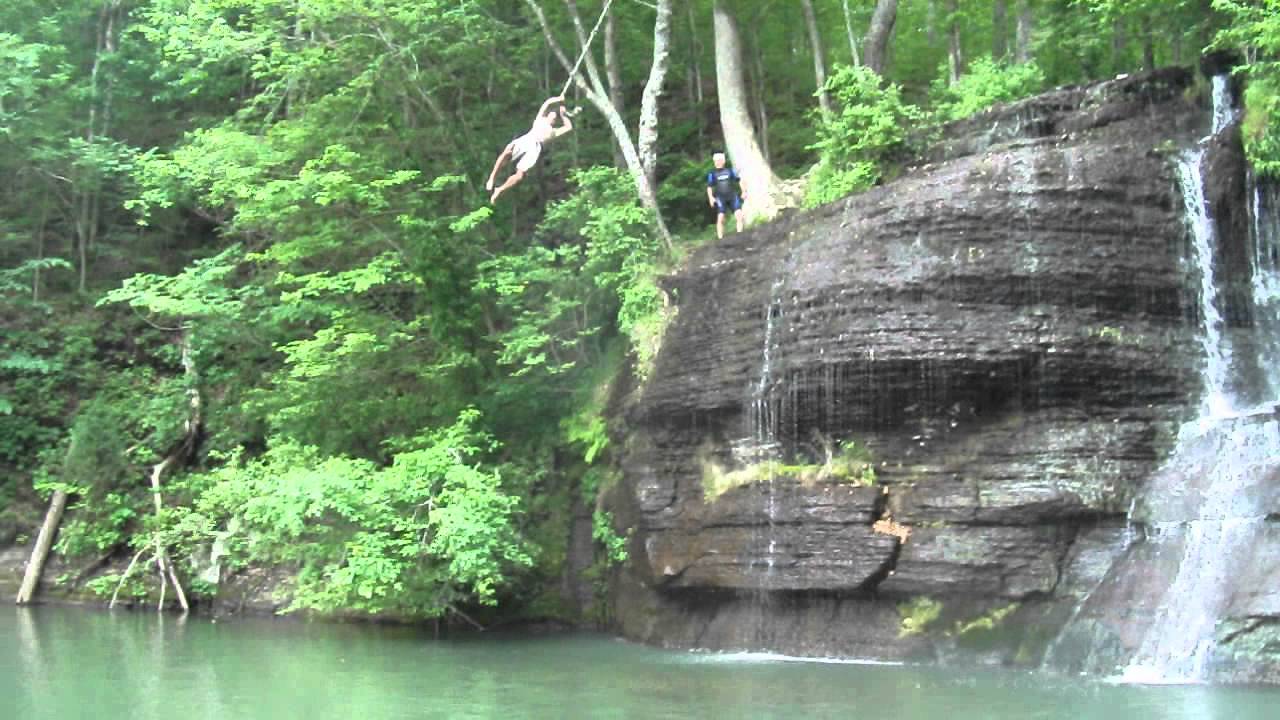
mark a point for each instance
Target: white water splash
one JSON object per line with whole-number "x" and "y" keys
{"x": 1203, "y": 502}
{"x": 747, "y": 658}
{"x": 1214, "y": 520}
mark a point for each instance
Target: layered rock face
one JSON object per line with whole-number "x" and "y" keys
{"x": 1006, "y": 334}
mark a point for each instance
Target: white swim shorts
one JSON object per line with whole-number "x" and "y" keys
{"x": 525, "y": 151}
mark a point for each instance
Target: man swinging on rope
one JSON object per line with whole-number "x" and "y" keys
{"x": 526, "y": 148}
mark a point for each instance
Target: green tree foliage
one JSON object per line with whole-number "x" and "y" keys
{"x": 986, "y": 83}
{"x": 1256, "y": 26}
{"x": 433, "y": 528}
{"x": 594, "y": 269}
{"x": 857, "y": 143}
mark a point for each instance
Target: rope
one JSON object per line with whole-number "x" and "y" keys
{"x": 585, "y": 47}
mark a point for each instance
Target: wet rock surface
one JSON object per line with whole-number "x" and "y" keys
{"x": 1006, "y": 330}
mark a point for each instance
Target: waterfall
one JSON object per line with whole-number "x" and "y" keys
{"x": 1212, "y": 521}
{"x": 1212, "y": 339}
{"x": 763, "y": 424}
{"x": 1203, "y": 507}
{"x": 1224, "y": 110}
{"x": 761, "y": 444}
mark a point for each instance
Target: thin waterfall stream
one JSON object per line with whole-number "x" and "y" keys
{"x": 760, "y": 446}
{"x": 1203, "y": 503}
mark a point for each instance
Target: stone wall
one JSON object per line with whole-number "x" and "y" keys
{"x": 1005, "y": 330}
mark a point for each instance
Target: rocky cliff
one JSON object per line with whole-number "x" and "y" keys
{"x": 989, "y": 356}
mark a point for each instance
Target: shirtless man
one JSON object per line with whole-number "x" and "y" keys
{"x": 526, "y": 148}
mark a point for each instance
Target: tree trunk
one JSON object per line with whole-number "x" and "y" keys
{"x": 82, "y": 193}
{"x": 999, "y": 29}
{"x": 1026, "y": 25}
{"x": 44, "y": 541}
{"x": 931, "y": 23}
{"x": 647, "y": 134}
{"x": 1148, "y": 45}
{"x": 758, "y": 181}
{"x": 613, "y": 72}
{"x": 593, "y": 89}
{"x": 163, "y": 564}
{"x": 955, "y": 54}
{"x": 87, "y": 196}
{"x": 1119, "y": 44}
{"x": 697, "y": 55}
{"x": 848, "y": 28}
{"x": 819, "y": 55}
{"x": 128, "y": 573}
{"x": 758, "y": 83}
{"x": 876, "y": 47}
{"x": 180, "y": 453}
{"x": 40, "y": 230}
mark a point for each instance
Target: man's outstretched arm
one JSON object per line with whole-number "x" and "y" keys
{"x": 547, "y": 104}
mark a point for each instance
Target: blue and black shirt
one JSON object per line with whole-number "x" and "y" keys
{"x": 721, "y": 182}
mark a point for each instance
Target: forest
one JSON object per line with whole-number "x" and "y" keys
{"x": 257, "y": 310}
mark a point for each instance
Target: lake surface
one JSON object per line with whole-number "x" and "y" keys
{"x": 71, "y": 663}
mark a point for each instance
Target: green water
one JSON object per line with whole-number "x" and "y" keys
{"x": 67, "y": 663}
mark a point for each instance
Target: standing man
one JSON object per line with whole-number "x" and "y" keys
{"x": 526, "y": 148}
{"x": 723, "y": 195}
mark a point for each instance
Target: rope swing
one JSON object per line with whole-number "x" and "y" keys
{"x": 585, "y": 47}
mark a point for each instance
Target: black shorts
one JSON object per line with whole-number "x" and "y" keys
{"x": 724, "y": 205}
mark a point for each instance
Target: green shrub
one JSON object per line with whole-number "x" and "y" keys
{"x": 987, "y": 622}
{"x": 918, "y": 614}
{"x": 615, "y": 545}
{"x": 1256, "y": 26}
{"x": 846, "y": 462}
{"x": 985, "y": 83}
{"x": 1262, "y": 126}
{"x": 867, "y": 131}
{"x": 433, "y": 528}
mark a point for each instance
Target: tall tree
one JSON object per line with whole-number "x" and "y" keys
{"x": 594, "y": 89}
{"x": 1119, "y": 41}
{"x": 848, "y": 29}
{"x": 695, "y": 51}
{"x": 86, "y": 181}
{"x": 757, "y": 76}
{"x": 613, "y": 70}
{"x": 647, "y": 136}
{"x": 955, "y": 51}
{"x": 999, "y": 29}
{"x": 758, "y": 179}
{"x": 876, "y": 48}
{"x": 1148, "y": 43}
{"x": 819, "y": 55}
{"x": 1026, "y": 25}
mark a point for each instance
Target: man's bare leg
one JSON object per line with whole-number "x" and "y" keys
{"x": 737, "y": 215}
{"x": 502, "y": 157}
{"x": 516, "y": 177}
{"x": 720, "y": 225}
